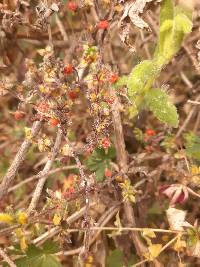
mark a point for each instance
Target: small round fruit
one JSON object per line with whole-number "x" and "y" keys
{"x": 72, "y": 95}
{"x": 72, "y": 6}
{"x": 105, "y": 143}
{"x": 150, "y": 132}
{"x": 103, "y": 24}
{"x": 108, "y": 173}
{"x": 68, "y": 69}
{"x": 110, "y": 100}
{"x": 19, "y": 115}
{"x": 54, "y": 121}
{"x": 113, "y": 78}
{"x": 42, "y": 107}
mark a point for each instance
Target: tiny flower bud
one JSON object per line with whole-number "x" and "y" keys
{"x": 72, "y": 6}
{"x": 150, "y": 132}
{"x": 103, "y": 24}
{"x": 113, "y": 78}
{"x": 19, "y": 115}
{"x": 68, "y": 69}
{"x": 54, "y": 121}
{"x": 106, "y": 143}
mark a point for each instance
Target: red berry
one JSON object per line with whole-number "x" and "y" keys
{"x": 72, "y": 95}
{"x": 113, "y": 78}
{"x": 72, "y": 6}
{"x": 54, "y": 122}
{"x": 110, "y": 100}
{"x": 42, "y": 107}
{"x": 68, "y": 69}
{"x": 103, "y": 24}
{"x": 71, "y": 190}
{"x": 105, "y": 143}
{"x": 19, "y": 115}
{"x": 108, "y": 173}
{"x": 150, "y": 132}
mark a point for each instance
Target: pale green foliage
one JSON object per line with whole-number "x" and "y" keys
{"x": 140, "y": 75}
{"x": 192, "y": 146}
{"x": 175, "y": 23}
{"x": 38, "y": 257}
{"x": 158, "y": 102}
{"x": 121, "y": 81}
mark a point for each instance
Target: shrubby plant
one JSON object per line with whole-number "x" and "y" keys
{"x": 92, "y": 184}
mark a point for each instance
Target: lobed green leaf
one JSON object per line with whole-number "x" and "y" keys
{"x": 158, "y": 102}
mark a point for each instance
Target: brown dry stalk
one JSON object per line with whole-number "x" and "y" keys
{"x": 6, "y": 258}
{"x": 56, "y": 230}
{"x": 18, "y": 160}
{"x": 39, "y": 175}
{"x": 44, "y": 173}
{"x": 123, "y": 163}
{"x": 104, "y": 219}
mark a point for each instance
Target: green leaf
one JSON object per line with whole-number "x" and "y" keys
{"x": 167, "y": 11}
{"x": 33, "y": 251}
{"x": 167, "y": 25}
{"x": 121, "y": 82}
{"x": 115, "y": 259}
{"x": 192, "y": 146}
{"x": 175, "y": 23}
{"x": 183, "y": 23}
{"x": 37, "y": 257}
{"x": 140, "y": 75}
{"x": 158, "y": 102}
{"x": 50, "y": 247}
{"x": 99, "y": 160}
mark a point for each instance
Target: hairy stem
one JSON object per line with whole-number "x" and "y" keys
{"x": 18, "y": 160}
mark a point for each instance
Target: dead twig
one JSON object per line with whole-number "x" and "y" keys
{"x": 45, "y": 172}
{"x": 6, "y": 258}
{"x": 38, "y": 176}
{"x": 18, "y": 160}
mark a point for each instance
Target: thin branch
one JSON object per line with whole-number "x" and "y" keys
{"x": 45, "y": 172}
{"x": 193, "y": 102}
{"x": 18, "y": 160}
{"x": 123, "y": 163}
{"x": 37, "y": 176}
{"x": 105, "y": 219}
{"x": 187, "y": 120}
{"x": 56, "y": 230}
{"x": 61, "y": 28}
{"x": 193, "y": 192}
{"x": 6, "y": 258}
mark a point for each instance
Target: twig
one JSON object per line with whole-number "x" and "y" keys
{"x": 193, "y": 102}
{"x": 37, "y": 176}
{"x": 186, "y": 80}
{"x": 122, "y": 229}
{"x": 192, "y": 58}
{"x": 56, "y": 230}
{"x": 169, "y": 243}
{"x": 163, "y": 248}
{"x": 122, "y": 162}
{"x": 84, "y": 182}
{"x": 187, "y": 120}
{"x": 44, "y": 173}
{"x": 197, "y": 122}
{"x": 109, "y": 214}
{"x": 193, "y": 192}
{"x": 139, "y": 263}
{"x": 6, "y": 258}
{"x": 18, "y": 160}
{"x": 61, "y": 28}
